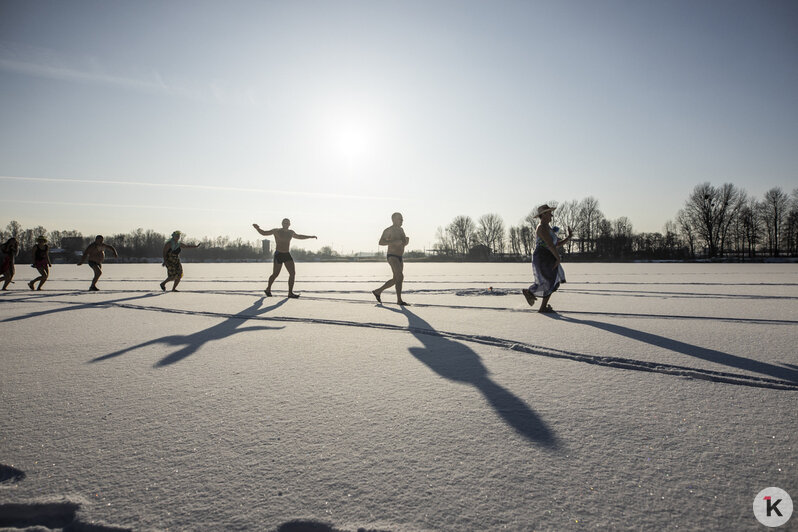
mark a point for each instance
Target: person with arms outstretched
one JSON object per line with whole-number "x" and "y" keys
{"x": 394, "y": 237}
{"x": 94, "y": 255}
{"x": 171, "y": 259}
{"x": 282, "y": 255}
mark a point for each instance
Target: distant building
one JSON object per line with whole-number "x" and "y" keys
{"x": 479, "y": 252}
{"x": 267, "y": 247}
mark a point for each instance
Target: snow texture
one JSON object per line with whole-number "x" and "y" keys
{"x": 659, "y": 396}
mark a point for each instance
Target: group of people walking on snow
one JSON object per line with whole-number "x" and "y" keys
{"x": 546, "y": 259}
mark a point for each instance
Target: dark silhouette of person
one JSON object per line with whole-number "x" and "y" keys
{"x": 41, "y": 261}
{"x": 171, "y": 259}
{"x": 10, "y": 249}
{"x": 545, "y": 261}
{"x": 282, "y": 255}
{"x": 94, "y": 255}
{"x": 394, "y": 237}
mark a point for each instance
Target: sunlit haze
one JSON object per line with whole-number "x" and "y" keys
{"x": 210, "y": 116}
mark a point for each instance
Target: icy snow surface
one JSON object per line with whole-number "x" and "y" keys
{"x": 660, "y": 396}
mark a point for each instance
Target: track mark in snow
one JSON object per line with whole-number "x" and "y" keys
{"x": 524, "y": 308}
{"x": 511, "y": 345}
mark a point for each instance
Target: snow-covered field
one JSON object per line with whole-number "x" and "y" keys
{"x": 661, "y": 396}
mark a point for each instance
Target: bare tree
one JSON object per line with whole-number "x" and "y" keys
{"x": 734, "y": 198}
{"x": 671, "y": 237}
{"x": 490, "y": 232}
{"x": 775, "y": 211}
{"x": 791, "y": 226}
{"x": 14, "y": 229}
{"x": 462, "y": 232}
{"x": 567, "y": 215}
{"x": 587, "y": 226}
{"x": 686, "y": 230}
{"x": 515, "y": 240}
{"x": 751, "y": 221}
{"x": 527, "y": 239}
{"x": 443, "y": 242}
{"x": 709, "y": 212}
{"x": 622, "y": 234}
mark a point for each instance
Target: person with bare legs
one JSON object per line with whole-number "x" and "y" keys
{"x": 94, "y": 255}
{"x": 282, "y": 239}
{"x": 394, "y": 237}
{"x": 10, "y": 249}
{"x": 545, "y": 261}
{"x": 171, "y": 259}
{"x": 41, "y": 261}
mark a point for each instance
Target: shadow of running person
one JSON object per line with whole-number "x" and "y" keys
{"x": 75, "y": 305}
{"x": 710, "y": 355}
{"x": 192, "y": 342}
{"x": 457, "y": 362}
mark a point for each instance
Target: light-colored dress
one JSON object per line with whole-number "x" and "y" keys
{"x": 547, "y": 278}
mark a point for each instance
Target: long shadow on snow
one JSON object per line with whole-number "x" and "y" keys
{"x": 457, "y": 362}
{"x": 710, "y": 355}
{"x": 192, "y": 342}
{"x": 74, "y": 306}
{"x": 525, "y": 310}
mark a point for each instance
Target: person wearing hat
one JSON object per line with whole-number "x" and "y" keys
{"x": 546, "y": 261}
{"x": 94, "y": 255}
{"x": 11, "y": 249}
{"x": 171, "y": 259}
{"x": 41, "y": 261}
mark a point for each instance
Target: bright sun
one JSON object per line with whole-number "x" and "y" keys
{"x": 352, "y": 142}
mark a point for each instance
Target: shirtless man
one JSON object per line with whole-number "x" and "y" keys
{"x": 282, "y": 238}
{"x": 95, "y": 254}
{"x": 394, "y": 237}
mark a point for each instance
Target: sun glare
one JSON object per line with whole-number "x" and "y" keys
{"x": 352, "y": 142}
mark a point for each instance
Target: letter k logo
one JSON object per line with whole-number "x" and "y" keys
{"x": 772, "y": 507}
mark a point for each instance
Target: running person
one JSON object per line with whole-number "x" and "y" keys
{"x": 282, "y": 239}
{"x": 171, "y": 259}
{"x": 41, "y": 261}
{"x": 94, "y": 255}
{"x": 11, "y": 250}
{"x": 394, "y": 237}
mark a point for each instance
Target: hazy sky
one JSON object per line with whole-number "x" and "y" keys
{"x": 209, "y": 116}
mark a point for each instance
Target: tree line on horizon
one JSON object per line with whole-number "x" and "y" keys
{"x": 714, "y": 222}
{"x": 140, "y": 244}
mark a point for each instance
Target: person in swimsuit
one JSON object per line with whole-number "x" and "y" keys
{"x": 94, "y": 255}
{"x": 41, "y": 261}
{"x": 546, "y": 261}
{"x": 171, "y": 260}
{"x": 282, "y": 239}
{"x": 11, "y": 250}
{"x": 394, "y": 237}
